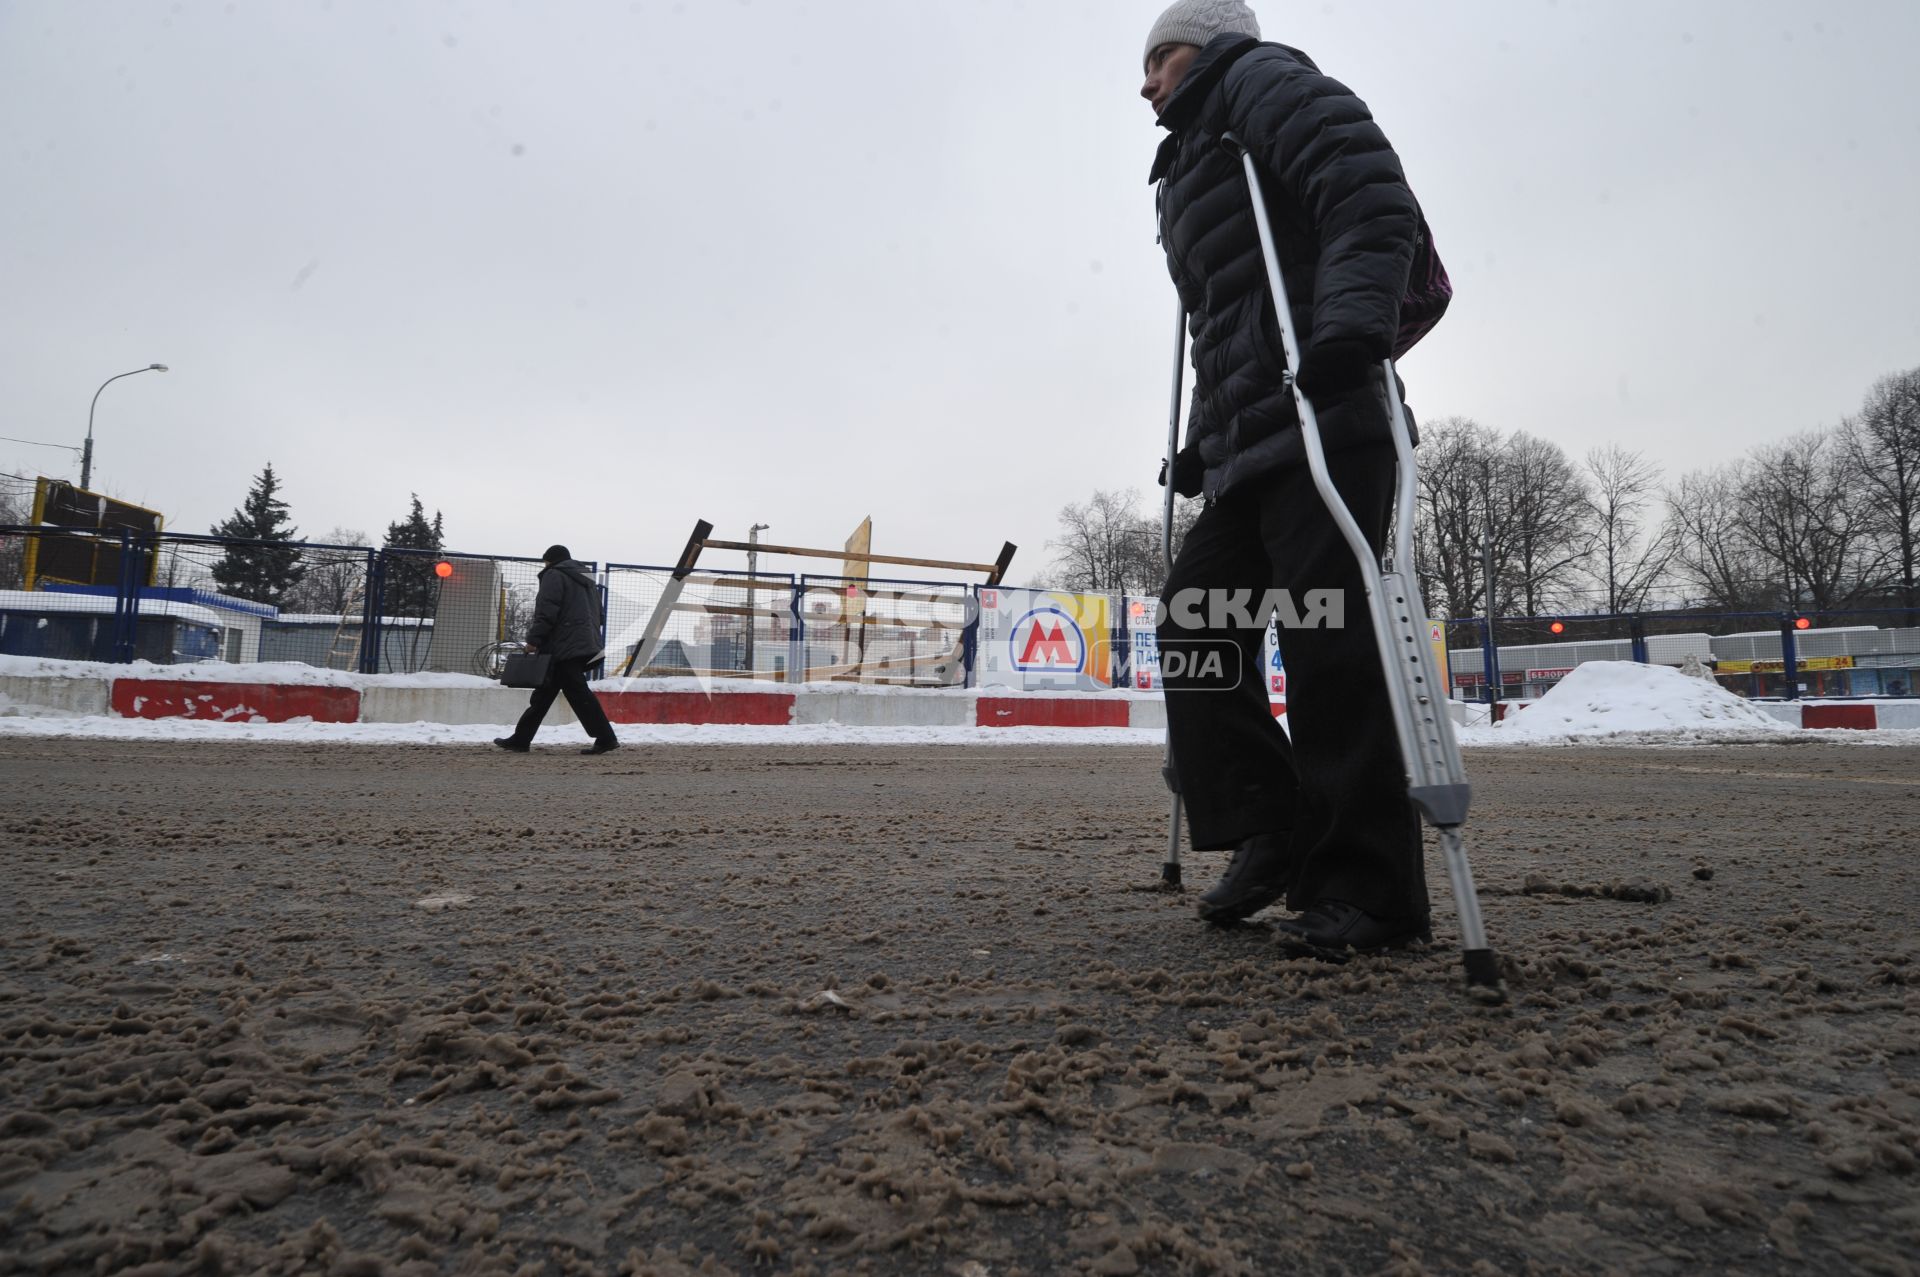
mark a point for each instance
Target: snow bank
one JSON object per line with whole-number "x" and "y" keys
{"x": 1611, "y": 698}
{"x": 285, "y": 672}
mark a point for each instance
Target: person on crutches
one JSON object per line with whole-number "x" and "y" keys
{"x": 1322, "y": 820}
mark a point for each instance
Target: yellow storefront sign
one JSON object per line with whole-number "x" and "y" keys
{"x": 1807, "y": 664}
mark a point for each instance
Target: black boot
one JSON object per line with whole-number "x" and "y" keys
{"x": 1334, "y": 929}
{"x": 1258, "y": 875}
{"x": 511, "y": 745}
{"x": 605, "y": 745}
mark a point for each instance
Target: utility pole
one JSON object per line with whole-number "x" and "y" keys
{"x": 753, "y": 571}
{"x": 1491, "y": 663}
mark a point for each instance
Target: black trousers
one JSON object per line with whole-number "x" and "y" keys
{"x": 1338, "y": 786}
{"x": 568, "y": 678}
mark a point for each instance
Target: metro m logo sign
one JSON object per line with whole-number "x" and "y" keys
{"x": 1047, "y": 640}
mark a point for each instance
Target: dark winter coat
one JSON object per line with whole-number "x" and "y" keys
{"x": 566, "y": 614}
{"x": 1344, "y": 224}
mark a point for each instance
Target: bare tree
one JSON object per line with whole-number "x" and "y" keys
{"x": 1881, "y": 447}
{"x": 1545, "y": 501}
{"x": 1630, "y": 554}
{"x": 334, "y": 580}
{"x": 183, "y": 567}
{"x": 1456, "y": 460}
{"x": 16, "y": 506}
{"x": 1107, "y": 546}
{"x": 1803, "y": 520}
{"x": 1712, "y": 556}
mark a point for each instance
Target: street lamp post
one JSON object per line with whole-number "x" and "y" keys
{"x": 86, "y": 454}
{"x": 753, "y": 571}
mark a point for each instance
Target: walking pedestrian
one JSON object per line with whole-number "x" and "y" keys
{"x": 566, "y": 626}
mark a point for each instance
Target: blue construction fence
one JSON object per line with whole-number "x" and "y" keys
{"x": 120, "y": 596}
{"x": 1864, "y": 652}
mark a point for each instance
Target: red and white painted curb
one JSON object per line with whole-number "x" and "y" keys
{"x": 326, "y": 697}
{"x": 391, "y": 699}
{"x": 1861, "y": 716}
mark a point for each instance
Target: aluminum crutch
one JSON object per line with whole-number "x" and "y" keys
{"x": 1436, "y": 780}
{"x": 1170, "y": 868}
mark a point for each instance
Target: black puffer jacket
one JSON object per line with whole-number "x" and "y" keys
{"x": 566, "y": 614}
{"x": 1344, "y": 224}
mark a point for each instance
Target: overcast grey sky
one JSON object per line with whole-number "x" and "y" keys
{"x": 589, "y": 271}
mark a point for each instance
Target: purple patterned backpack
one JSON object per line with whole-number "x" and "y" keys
{"x": 1428, "y": 292}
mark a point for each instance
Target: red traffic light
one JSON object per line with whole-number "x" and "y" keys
{"x": 443, "y": 569}
{"x": 1558, "y": 628}
{"x": 1802, "y": 623}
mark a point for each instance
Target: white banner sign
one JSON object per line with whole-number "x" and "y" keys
{"x": 1042, "y": 640}
{"x": 1143, "y": 651}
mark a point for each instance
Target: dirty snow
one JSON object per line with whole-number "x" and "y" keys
{"x": 921, "y": 1012}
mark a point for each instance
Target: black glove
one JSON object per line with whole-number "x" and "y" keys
{"x": 1189, "y": 472}
{"x": 1335, "y": 367}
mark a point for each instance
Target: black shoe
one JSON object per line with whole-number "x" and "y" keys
{"x": 1334, "y": 929}
{"x": 511, "y": 745}
{"x": 602, "y": 747}
{"x": 1257, "y": 876}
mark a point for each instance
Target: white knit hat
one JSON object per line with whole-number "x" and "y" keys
{"x": 1198, "y": 21}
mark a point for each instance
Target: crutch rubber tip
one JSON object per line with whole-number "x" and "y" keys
{"x": 1483, "y": 975}
{"x": 1170, "y": 875}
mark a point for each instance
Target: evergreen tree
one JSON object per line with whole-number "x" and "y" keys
{"x": 263, "y": 573}
{"x": 411, "y": 588}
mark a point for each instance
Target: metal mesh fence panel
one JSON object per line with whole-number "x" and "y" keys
{"x": 1536, "y": 652}
{"x": 451, "y": 613}
{"x": 1467, "y": 674}
{"x": 285, "y": 601}
{"x": 723, "y": 624}
{"x": 1834, "y": 654}
{"x": 115, "y": 595}
{"x": 1869, "y": 652}
{"x": 323, "y": 616}
{"x": 67, "y": 596}
{"x": 908, "y": 633}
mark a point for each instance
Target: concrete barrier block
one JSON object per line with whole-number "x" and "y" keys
{"x": 65, "y": 695}
{"x": 1469, "y": 713}
{"x": 1148, "y": 714}
{"x": 496, "y": 705}
{"x": 757, "y": 709}
{"x": 1901, "y": 714}
{"x": 854, "y": 709}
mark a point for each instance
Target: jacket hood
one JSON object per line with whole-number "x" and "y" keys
{"x": 573, "y": 568}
